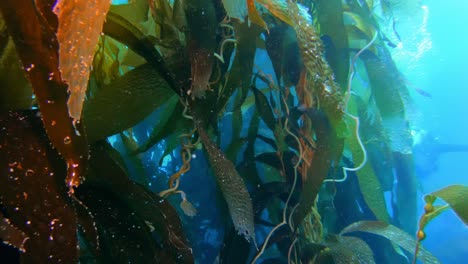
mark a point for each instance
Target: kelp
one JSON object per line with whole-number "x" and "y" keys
{"x": 33, "y": 193}
{"x": 330, "y": 18}
{"x": 201, "y": 18}
{"x": 79, "y": 28}
{"x": 123, "y": 204}
{"x": 456, "y": 197}
{"x": 122, "y": 30}
{"x": 394, "y": 234}
{"x": 288, "y": 133}
{"x": 124, "y": 102}
{"x": 33, "y": 32}
{"x": 231, "y": 184}
{"x": 369, "y": 183}
{"x": 20, "y": 97}
{"x": 11, "y": 235}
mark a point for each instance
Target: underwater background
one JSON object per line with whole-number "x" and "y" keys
{"x": 234, "y": 131}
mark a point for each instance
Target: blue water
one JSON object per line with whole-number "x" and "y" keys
{"x": 443, "y": 72}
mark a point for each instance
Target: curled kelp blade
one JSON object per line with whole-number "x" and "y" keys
{"x": 456, "y": 196}
{"x": 79, "y": 26}
{"x": 32, "y": 26}
{"x": 392, "y": 233}
{"x": 232, "y": 186}
{"x": 32, "y": 192}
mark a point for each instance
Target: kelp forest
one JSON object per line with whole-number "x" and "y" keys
{"x": 209, "y": 131}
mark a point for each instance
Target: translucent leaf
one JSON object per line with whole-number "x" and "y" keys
{"x": 393, "y": 234}
{"x": 456, "y": 196}
{"x": 125, "y": 102}
{"x": 80, "y": 24}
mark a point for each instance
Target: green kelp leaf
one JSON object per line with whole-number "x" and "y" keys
{"x": 363, "y": 25}
{"x": 316, "y": 252}
{"x": 240, "y": 74}
{"x": 15, "y": 89}
{"x": 123, "y": 31}
{"x": 456, "y": 196}
{"x": 392, "y": 233}
{"x": 330, "y": 17}
{"x": 170, "y": 125}
{"x": 264, "y": 109}
{"x": 11, "y": 235}
{"x": 32, "y": 190}
{"x": 136, "y": 215}
{"x": 350, "y": 250}
{"x": 33, "y": 32}
{"x": 388, "y": 91}
{"x": 125, "y": 102}
{"x": 369, "y": 184}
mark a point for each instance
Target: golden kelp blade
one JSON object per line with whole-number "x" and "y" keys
{"x": 80, "y": 24}
{"x": 255, "y": 16}
{"x": 279, "y": 8}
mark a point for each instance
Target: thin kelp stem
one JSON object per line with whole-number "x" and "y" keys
{"x": 296, "y": 166}
{"x": 355, "y": 118}
{"x": 352, "y": 71}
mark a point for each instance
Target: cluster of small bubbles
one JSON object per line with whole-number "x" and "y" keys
{"x": 28, "y": 69}
{"x": 67, "y": 140}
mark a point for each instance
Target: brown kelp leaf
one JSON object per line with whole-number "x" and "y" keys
{"x": 11, "y": 235}
{"x": 124, "y": 102}
{"x": 128, "y": 204}
{"x": 350, "y": 250}
{"x": 456, "y": 196}
{"x": 392, "y": 233}
{"x": 202, "y": 23}
{"x": 32, "y": 191}
{"x": 79, "y": 26}
{"x": 32, "y": 26}
{"x": 232, "y": 186}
